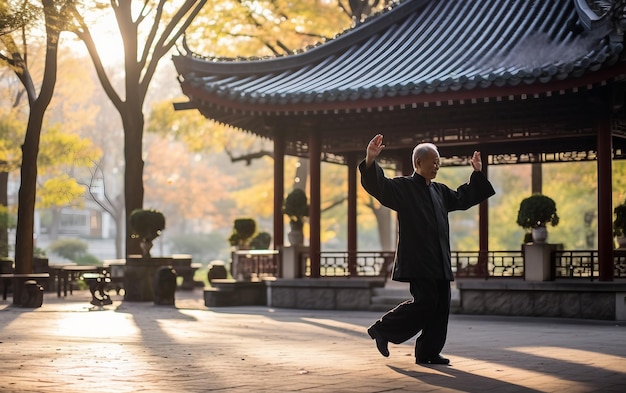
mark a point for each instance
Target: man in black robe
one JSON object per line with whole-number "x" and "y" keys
{"x": 423, "y": 252}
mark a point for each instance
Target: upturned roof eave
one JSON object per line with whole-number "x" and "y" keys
{"x": 521, "y": 91}
{"x": 245, "y": 66}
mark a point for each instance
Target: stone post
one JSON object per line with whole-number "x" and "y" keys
{"x": 537, "y": 263}
{"x": 290, "y": 260}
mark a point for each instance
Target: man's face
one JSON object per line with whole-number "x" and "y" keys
{"x": 428, "y": 165}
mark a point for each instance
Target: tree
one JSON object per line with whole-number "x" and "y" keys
{"x": 258, "y": 29}
{"x": 61, "y": 150}
{"x": 9, "y": 161}
{"x": 190, "y": 189}
{"x": 143, "y": 49}
{"x": 238, "y": 29}
{"x": 14, "y": 52}
{"x": 61, "y": 160}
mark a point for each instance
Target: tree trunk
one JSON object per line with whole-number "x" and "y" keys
{"x": 386, "y": 232}
{"x": 4, "y": 202}
{"x": 133, "y": 121}
{"x": 26, "y": 196}
{"x": 30, "y": 149}
{"x": 120, "y": 228}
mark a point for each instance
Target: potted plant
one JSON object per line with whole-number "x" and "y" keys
{"x": 243, "y": 230}
{"x": 535, "y": 213}
{"x": 261, "y": 241}
{"x": 296, "y": 207}
{"x": 619, "y": 225}
{"x": 147, "y": 225}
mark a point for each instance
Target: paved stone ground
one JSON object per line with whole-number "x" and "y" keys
{"x": 66, "y": 346}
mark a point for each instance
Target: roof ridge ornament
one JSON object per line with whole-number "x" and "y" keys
{"x": 603, "y": 15}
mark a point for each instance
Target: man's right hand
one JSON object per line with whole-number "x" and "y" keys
{"x": 373, "y": 149}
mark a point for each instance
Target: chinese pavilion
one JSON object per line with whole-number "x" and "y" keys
{"x": 523, "y": 81}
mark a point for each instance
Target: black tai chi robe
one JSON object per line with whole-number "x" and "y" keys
{"x": 423, "y": 252}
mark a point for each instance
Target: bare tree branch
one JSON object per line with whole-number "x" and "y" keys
{"x": 249, "y": 157}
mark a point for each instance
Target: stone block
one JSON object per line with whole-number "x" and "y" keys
{"x": 315, "y": 298}
{"x": 473, "y": 302}
{"x": 282, "y": 297}
{"x": 349, "y": 299}
{"x": 546, "y": 304}
{"x": 597, "y": 305}
{"x": 497, "y": 303}
{"x": 569, "y": 305}
{"x": 620, "y": 306}
{"x": 521, "y": 303}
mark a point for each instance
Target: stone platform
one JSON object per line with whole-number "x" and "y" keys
{"x": 302, "y": 293}
{"x": 563, "y": 299}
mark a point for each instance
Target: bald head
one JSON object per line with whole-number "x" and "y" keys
{"x": 426, "y": 160}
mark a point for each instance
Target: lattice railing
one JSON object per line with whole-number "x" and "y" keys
{"x": 581, "y": 264}
{"x": 336, "y": 263}
{"x": 488, "y": 264}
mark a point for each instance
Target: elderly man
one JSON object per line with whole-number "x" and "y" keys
{"x": 423, "y": 252}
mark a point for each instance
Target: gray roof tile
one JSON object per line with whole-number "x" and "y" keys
{"x": 422, "y": 47}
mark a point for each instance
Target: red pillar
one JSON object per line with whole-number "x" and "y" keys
{"x": 605, "y": 200}
{"x": 315, "y": 154}
{"x": 279, "y": 190}
{"x": 352, "y": 227}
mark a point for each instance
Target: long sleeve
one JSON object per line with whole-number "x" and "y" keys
{"x": 469, "y": 194}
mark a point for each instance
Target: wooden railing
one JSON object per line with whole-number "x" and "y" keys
{"x": 585, "y": 264}
{"x": 582, "y": 264}
{"x": 489, "y": 264}
{"x": 253, "y": 264}
{"x": 335, "y": 263}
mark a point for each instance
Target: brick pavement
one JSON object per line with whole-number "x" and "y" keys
{"x": 139, "y": 347}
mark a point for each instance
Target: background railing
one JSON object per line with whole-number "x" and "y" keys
{"x": 585, "y": 264}
{"x": 488, "y": 264}
{"x": 581, "y": 264}
{"x": 250, "y": 264}
{"x": 335, "y": 263}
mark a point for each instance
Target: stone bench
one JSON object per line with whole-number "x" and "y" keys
{"x": 21, "y": 295}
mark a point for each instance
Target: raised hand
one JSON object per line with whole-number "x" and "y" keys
{"x": 373, "y": 149}
{"x": 476, "y": 161}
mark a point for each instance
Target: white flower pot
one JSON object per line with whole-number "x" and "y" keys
{"x": 540, "y": 234}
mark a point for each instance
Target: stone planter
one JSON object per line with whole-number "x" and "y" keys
{"x": 139, "y": 277}
{"x": 217, "y": 271}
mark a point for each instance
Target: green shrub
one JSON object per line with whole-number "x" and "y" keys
{"x": 88, "y": 259}
{"x": 261, "y": 241}
{"x": 147, "y": 224}
{"x": 243, "y": 230}
{"x": 619, "y": 224}
{"x": 203, "y": 247}
{"x": 70, "y": 248}
{"x": 537, "y": 211}
{"x": 296, "y": 207}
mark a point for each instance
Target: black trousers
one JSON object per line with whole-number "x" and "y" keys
{"x": 428, "y": 312}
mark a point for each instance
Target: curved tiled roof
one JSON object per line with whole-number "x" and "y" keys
{"x": 419, "y": 50}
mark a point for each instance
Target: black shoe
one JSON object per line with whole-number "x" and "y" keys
{"x": 381, "y": 343}
{"x": 433, "y": 360}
